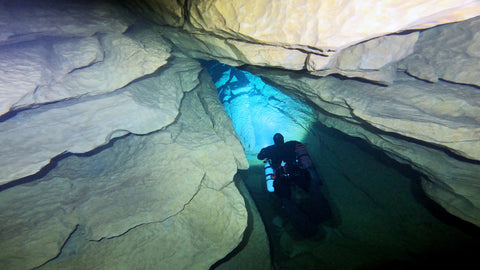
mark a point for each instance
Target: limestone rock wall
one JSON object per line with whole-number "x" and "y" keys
{"x": 448, "y": 53}
{"x": 370, "y": 40}
{"x": 74, "y": 75}
{"x": 306, "y": 24}
{"x": 407, "y": 127}
{"x": 70, "y": 71}
{"x": 82, "y": 124}
{"x": 143, "y": 152}
{"x": 432, "y": 126}
{"x": 70, "y": 40}
{"x": 162, "y": 200}
{"x": 307, "y": 34}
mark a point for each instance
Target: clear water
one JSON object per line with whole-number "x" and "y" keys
{"x": 258, "y": 110}
{"x": 381, "y": 217}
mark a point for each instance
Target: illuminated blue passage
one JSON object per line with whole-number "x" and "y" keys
{"x": 258, "y": 110}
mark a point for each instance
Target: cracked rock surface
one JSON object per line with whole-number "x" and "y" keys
{"x": 51, "y": 79}
{"x": 303, "y": 34}
{"x": 80, "y": 125}
{"x": 151, "y": 182}
{"x": 159, "y": 200}
{"x": 449, "y": 53}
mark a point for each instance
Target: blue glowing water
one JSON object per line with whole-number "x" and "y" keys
{"x": 257, "y": 109}
{"x": 381, "y": 217}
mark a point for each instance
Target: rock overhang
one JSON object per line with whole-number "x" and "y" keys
{"x": 374, "y": 42}
{"x": 453, "y": 191}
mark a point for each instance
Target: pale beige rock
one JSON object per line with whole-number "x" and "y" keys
{"x": 436, "y": 114}
{"x": 65, "y": 59}
{"x": 26, "y": 68}
{"x": 35, "y": 136}
{"x": 162, "y": 200}
{"x": 376, "y": 53}
{"x": 111, "y": 201}
{"x": 207, "y": 228}
{"x": 196, "y": 200}
{"x": 371, "y": 60}
{"x": 68, "y": 55}
{"x": 443, "y": 117}
{"x": 234, "y": 52}
{"x": 318, "y": 26}
{"x": 449, "y": 52}
{"x": 208, "y": 95}
{"x": 254, "y": 252}
{"x": 201, "y": 46}
{"x": 270, "y": 56}
{"x": 306, "y": 34}
{"x": 26, "y": 20}
{"x": 20, "y": 73}
{"x": 36, "y": 221}
{"x": 418, "y": 67}
{"x": 363, "y": 54}
{"x": 125, "y": 60}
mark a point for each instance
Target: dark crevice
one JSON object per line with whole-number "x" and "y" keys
{"x": 10, "y": 114}
{"x": 37, "y": 176}
{"x": 248, "y": 230}
{"x": 61, "y": 249}
{"x": 458, "y": 83}
{"x": 370, "y": 128}
{"x": 409, "y": 173}
{"x": 185, "y": 11}
{"x": 43, "y": 172}
{"x": 200, "y": 185}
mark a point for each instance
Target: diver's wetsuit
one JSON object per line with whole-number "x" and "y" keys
{"x": 277, "y": 153}
{"x": 306, "y": 178}
{"x": 284, "y": 152}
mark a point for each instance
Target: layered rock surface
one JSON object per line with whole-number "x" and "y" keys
{"x": 74, "y": 72}
{"x": 167, "y": 197}
{"x": 304, "y": 34}
{"x": 76, "y": 76}
{"x": 74, "y": 44}
{"x": 388, "y": 120}
{"x": 450, "y": 53}
{"x": 432, "y": 126}
{"x": 369, "y": 40}
{"x": 157, "y": 190}
{"x": 83, "y": 124}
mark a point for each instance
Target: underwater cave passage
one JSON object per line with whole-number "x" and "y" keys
{"x": 258, "y": 110}
{"x": 375, "y": 214}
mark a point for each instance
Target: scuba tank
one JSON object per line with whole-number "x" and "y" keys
{"x": 269, "y": 176}
{"x": 305, "y": 162}
{"x": 303, "y": 159}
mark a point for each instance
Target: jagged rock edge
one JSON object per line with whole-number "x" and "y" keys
{"x": 61, "y": 248}
{"x": 199, "y": 188}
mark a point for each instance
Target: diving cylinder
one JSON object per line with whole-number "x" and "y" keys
{"x": 269, "y": 176}
{"x": 305, "y": 162}
{"x": 303, "y": 158}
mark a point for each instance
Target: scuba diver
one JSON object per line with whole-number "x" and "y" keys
{"x": 288, "y": 163}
